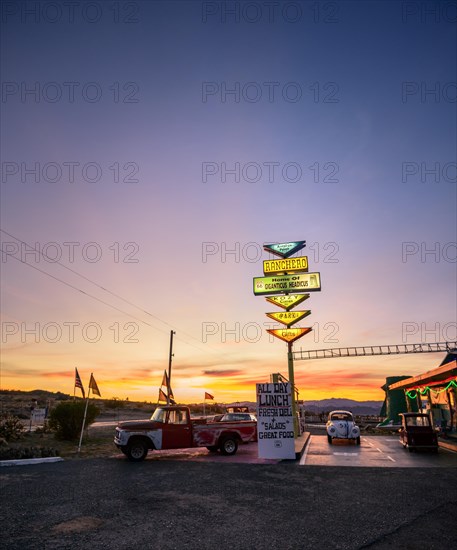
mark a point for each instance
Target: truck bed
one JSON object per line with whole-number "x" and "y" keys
{"x": 206, "y": 434}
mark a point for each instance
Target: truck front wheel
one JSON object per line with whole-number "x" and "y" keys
{"x": 229, "y": 446}
{"x": 136, "y": 451}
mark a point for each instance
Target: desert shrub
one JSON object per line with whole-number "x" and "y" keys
{"x": 114, "y": 403}
{"x": 11, "y": 428}
{"x": 44, "y": 429}
{"x": 66, "y": 418}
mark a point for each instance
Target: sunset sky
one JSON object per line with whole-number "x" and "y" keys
{"x": 171, "y": 140}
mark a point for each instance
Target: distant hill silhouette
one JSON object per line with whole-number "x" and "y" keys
{"x": 322, "y": 405}
{"x": 334, "y": 403}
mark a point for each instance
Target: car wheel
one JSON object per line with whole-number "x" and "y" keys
{"x": 212, "y": 448}
{"x": 358, "y": 440}
{"x": 136, "y": 451}
{"x": 229, "y": 446}
{"x": 329, "y": 439}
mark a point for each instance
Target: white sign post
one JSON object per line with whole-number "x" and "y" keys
{"x": 275, "y": 423}
{"x": 38, "y": 416}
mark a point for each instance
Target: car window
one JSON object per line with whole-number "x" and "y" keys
{"x": 340, "y": 416}
{"x": 159, "y": 415}
{"x": 236, "y": 417}
{"x": 177, "y": 417}
{"x": 417, "y": 421}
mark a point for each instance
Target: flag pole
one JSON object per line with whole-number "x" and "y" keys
{"x": 170, "y": 356}
{"x": 84, "y": 419}
{"x": 204, "y": 406}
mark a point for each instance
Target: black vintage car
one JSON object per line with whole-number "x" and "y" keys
{"x": 417, "y": 432}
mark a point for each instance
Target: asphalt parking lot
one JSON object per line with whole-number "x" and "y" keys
{"x": 197, "y": 504}
{"x": 374, "y": 451}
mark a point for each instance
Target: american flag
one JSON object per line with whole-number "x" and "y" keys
{"x": 78, "y": 383}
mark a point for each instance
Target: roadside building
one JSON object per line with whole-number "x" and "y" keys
{"x": 435, "y": 392}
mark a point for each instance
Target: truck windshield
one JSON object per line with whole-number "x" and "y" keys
{"x": 159, "y": 415}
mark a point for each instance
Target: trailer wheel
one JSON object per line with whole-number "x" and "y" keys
{"x": 213, "y": 448}
{"x": 229, "y": 445}
{"x": 136, "y": 451}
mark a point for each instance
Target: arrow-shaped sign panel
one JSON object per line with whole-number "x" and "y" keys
{"x": 288, "y": 301}
{"x": 289, "y": 318}
{"x": 284, "y": 250}
{"x": 281, "y": 284}
{"x": 289, "y": 335}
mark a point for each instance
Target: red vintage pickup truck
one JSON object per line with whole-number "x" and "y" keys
{"x": 171, "y": 427}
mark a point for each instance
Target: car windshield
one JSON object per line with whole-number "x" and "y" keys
{"x": 235, "y": 417}
{"x": 159, "y": 415}
{"x": 340, "y": 416}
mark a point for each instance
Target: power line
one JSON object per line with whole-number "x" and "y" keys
{"x": 105, "y": 290}
{"x": 78, "y": 289}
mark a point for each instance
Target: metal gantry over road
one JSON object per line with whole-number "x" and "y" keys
{"x": 364, "y": 351}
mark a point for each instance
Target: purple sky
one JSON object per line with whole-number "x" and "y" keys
{"x": 167, "y": 134}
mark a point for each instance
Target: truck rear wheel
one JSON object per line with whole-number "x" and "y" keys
{"x": 136, "y": 451}
{"x": 229, "y": 445}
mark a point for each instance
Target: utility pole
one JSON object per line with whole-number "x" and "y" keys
{"x": 169, "y": 366}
